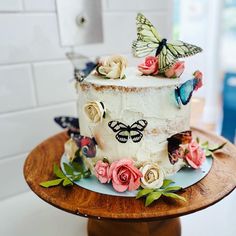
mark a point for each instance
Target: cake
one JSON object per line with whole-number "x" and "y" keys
{"x": 134, "y": 121}
{"x": 127, "y": 101}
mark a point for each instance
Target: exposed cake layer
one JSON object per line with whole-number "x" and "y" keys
{"x": 135, "y": 98}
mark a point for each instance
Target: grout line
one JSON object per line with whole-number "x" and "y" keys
{"x": 56, "y": 104}
{"x": 34, "y": 87}
{"x": 21, "y": 12}
{"x": 35, "y": 62}
{"x": 23, "y": 5}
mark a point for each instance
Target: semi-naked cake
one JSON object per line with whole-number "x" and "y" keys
{"x": 134, "y": 121}
{"x": 137, "y": 100}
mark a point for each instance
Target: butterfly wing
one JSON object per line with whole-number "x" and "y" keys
{"x": 180, "y": 49}
{"x": 184, "y": 92}
{"x": 67, "y": 122}
{"x": 139, "y": 125}
{"x": 117, "y": 126}
{"x": 166, "y": 59}
{"x": 174, "y": 142}
{"x": 147, "y": 37}
{"x": 142, "y": 49}
{"x": 122, "y": 136}
{"x": 136, "y": 129}
{"x": 81, "y": 74}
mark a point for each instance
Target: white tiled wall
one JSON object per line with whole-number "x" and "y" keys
{"x": 35, "y": 76}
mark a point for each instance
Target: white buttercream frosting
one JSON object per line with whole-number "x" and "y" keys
{"x": 134, "y": 98}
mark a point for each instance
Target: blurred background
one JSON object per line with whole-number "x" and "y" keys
{"x": 36, "y": 85}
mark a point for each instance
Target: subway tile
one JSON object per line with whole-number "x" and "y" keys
{"x": 121, "y": 36}
{"x": 16, "y": 90}
{"x": 120, "y": 31}
{"x": 154, "y": 5}
{"x": 36, "y": 34}
{"x": 11, "y": 176}
{"x": 40, "y": 6}
{"x": 139, "y": 5}
{"x": 22, "y": 131}
{"x": 54, "y": 82}
{"x": 10, "y": 5}
{"x": 122, "y": 5}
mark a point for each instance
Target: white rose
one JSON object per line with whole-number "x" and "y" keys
{"x": 94, "y": 111}
{"x": 113, "y": 67}
{"x": 153, "y": 176}
{"x": 70, "y": 149}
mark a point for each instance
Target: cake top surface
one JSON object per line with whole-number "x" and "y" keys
{"x": 133, "y": 79}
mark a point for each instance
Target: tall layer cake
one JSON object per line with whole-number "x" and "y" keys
{"x": 137, "y": 100}
{"x": 134, "y": 122}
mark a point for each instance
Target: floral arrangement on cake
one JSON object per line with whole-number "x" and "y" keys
{"x": 125, "y": 175}
{"x": 148, "y": 178}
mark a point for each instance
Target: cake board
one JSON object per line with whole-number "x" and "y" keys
{"x": 118, "y": 212}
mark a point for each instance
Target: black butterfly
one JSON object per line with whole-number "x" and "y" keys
{"x": 70, "y": 123}
{"x": 125, "y": 131}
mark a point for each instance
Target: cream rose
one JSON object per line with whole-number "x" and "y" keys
{"x": 113, "y": 67}
{"x": 153, "y": 176}
{"x": 70, "y": 148}
{"x": 95, "y": 111}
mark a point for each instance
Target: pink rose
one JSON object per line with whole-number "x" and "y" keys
{"x": 102, "y": 172}
{"x": 150, "y": 66}
{"x": 176, "y": 70}
{"x": 198, "y": 75}
{"x": 124, "y": 175}
{"x": 195, "y": 156}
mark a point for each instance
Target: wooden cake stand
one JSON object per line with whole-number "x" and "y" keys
{"x": 111, "y": 215}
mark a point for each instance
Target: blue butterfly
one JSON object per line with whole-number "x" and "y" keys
{"x": 184, "y": 92}
{"x": 80, "y": 75}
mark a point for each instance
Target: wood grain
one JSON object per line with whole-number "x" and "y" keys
{"x": 220, "y": 181}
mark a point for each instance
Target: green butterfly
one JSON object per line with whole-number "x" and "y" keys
{"x": 149, "y": 40}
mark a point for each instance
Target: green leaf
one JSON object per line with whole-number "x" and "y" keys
{"x": 197, "y": 140}
{"x": 77, "y": 167}
{"x": 87, "y": 174}
{"x": 68, "y": 169}
{"x": 205, "y": 145}
{"x": 51, "y": 183}
{"x": 143, "y": 192}
{"x": 174, "y": 195}
{"x": 208, "y": 153}
{"x": 77, "y": 177}
{"x": 57, "y": 171}
{"x": 166, "y": 183}
{"x": 67, "y": 182}
{"x": 152, "y": 197}
{"x": 217, "y": 147}
{"x": 174, "y": 188}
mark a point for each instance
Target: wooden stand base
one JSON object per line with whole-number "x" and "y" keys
{"x": 171, "y": 227}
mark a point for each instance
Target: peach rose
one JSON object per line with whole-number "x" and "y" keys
{"x": 153, "y": 176}
{"x": 124, "y": 175}
{"x": 70, "y": 148}
{"x": 102, "y": 171}
{"x": 176, "y": 70}
{"x": 150, "y": 66}
{"x": 94, "y": 111}
{"x": 113, "y": 67}
{"x": 198, "y": 75}
{"x": 195, "y": 155}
